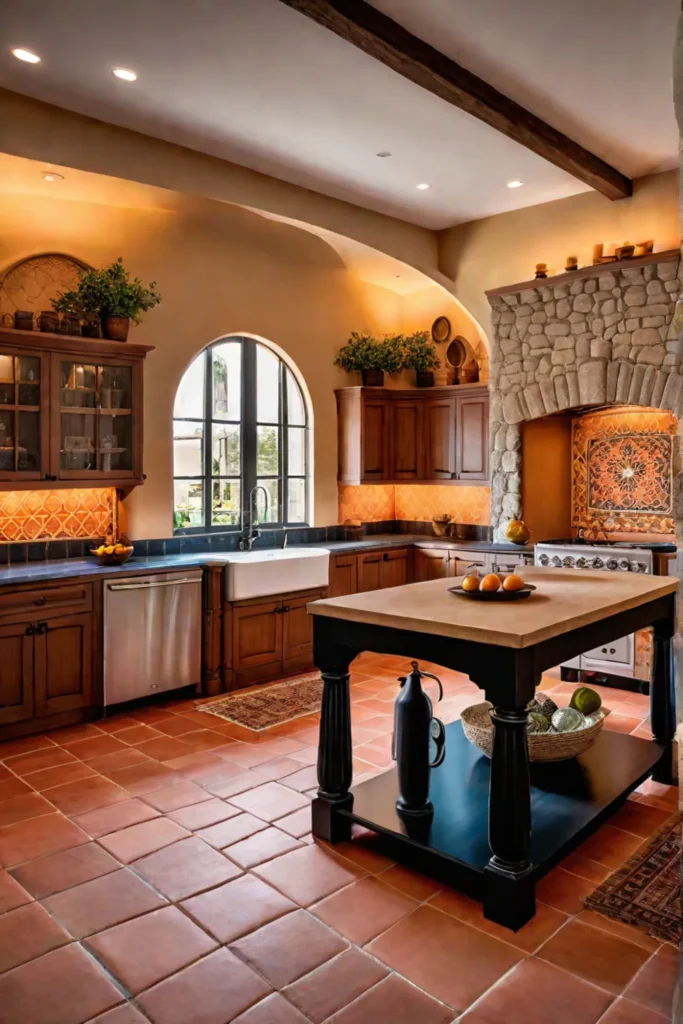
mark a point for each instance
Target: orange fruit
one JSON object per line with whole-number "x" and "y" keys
{"x": 513, "y": 582}
{"x": 470, "y": 583}
{"x": 490, "y": 582}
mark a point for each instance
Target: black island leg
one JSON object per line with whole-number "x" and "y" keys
{"x": 662, "y": 695}
{"x": 335, "y": 764}
{"x": 509, "y": 897}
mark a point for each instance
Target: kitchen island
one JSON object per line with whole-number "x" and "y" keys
{"x": 497, "y": 826}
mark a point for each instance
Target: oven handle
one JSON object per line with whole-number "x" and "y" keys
{"x": 150, "y": 586}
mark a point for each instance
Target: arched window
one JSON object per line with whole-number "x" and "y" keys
{"x": 239, "y": 420}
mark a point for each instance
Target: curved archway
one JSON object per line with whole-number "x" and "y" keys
{"x": 242, "y": 428}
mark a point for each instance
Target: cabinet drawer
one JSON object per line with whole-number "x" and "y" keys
{"x": 44, "y": 602}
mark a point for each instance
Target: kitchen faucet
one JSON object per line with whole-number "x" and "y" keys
{"x": 251, "y": 530}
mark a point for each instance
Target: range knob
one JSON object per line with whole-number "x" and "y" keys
{"x": 635, "y": 566}
{"x": 624, "y": 564}
{"x": 568, "y": 562}
{"x": 557, "y": 561}
{"x": 581, "y": 563}
{"x": 643, "y": 567}
{"x": 544, "y": 560}
{"x": 597, "y": 563}
{"x": 612, "y": 564}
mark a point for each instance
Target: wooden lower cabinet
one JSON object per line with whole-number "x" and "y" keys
{"x": 269, "y": 637}
{"x": 63, "y": 665}
{"x": 48, "y": 657}
{"x": 343, "y": 575}
{"x": 434, "y": 564}
{"x": 369, "y": 571}
{"x": 16, "y": 674}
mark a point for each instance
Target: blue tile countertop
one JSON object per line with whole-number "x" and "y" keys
{"x": 69, "y": 568}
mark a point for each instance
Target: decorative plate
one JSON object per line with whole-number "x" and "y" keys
{"x": 494, "y": 595}
{"x": 441, "y": 329}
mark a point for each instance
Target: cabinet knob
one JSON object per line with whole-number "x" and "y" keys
{"x": 286, "y": 608}
{"x": 386, "y": 556}
{"x": 40, "y": 600}
{"x": 277, "y": 610}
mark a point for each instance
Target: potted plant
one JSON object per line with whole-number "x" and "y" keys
{"x": 420, "y": 355}
{"x": 112, "y": 295}
{"x": 362, "y": 354}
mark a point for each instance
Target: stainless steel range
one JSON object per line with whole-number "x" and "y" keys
{"x": 618, "y": 657}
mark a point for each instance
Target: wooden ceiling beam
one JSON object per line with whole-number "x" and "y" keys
{"x": 384, "y": 39}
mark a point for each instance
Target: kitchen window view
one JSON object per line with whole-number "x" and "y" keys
{"x": 239, "y": 421}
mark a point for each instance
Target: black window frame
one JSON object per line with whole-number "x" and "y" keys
{"x": 248, "y": 424}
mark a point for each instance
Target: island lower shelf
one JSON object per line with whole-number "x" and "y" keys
{"x": 569, "y": 801}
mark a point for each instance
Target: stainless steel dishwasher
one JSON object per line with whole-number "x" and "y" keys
{"x": 152, "y": 634}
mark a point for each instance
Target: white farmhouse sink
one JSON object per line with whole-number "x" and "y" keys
{"x": 265, "y": 572}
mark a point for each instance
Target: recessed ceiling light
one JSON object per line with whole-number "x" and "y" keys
{"x": 423, "y": 186}
{"x": 52, "y": 176}
{"x": 125, "y": 74}
{"x": 26, "y": 55}
{"x": 383, "y": 153}
{"x": 515, "y": 184}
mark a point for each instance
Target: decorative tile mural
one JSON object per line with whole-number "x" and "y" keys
{"x": 55, "y": 515}
{"x": 623, "y": 471}
{"x": 371, "y": 503}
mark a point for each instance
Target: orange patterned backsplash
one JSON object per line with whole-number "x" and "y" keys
{"x": 371, "y": 503}
{"x": 622, "y": 473}
{"x": 78, "y": 513}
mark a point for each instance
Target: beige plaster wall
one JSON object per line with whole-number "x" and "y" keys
{"x": 43, "y": 132}
{"x": 221, "y": 270}
{"x": 504, "y": 249}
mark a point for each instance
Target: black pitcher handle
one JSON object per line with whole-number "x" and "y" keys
{"x": 437, "y": 731}
{"x": 428, "y": 675}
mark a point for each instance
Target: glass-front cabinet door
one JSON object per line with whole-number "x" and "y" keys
{"x": 95, "y": 419}
{"x": 23, "y": 416}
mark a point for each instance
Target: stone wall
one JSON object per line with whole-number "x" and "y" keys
{"x": 607, "y": 336}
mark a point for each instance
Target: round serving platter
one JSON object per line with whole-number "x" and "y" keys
{"x": 494, "y": 595}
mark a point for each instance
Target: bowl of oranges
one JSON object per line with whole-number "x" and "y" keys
{"x": 493, "y": 587}
{"x": 115, "y": 553}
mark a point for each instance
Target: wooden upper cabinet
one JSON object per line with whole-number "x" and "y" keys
{"x": 440, "y": 439}
{"x": 423, "y": 435}
{"x": 472, "y": 437}
{"x": 406, "y": 418}
{"x": 70, "y": 410}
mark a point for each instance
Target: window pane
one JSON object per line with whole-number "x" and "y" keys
{"x": 227, "y": 380}
{"x": 267, "y": 461}
{"x": 295, "y": 407}
{"x": 296, "y": 496}
{"x": 188, "y": 456}
{"x": 226, "y": 449}
{"x": 267, "y": 386}
{"x": 188, "y": 505}
{"x": 273, "y": 489}
{"x": 296, "y": 450}
{"x": 189, "y": 399}
{"x": 225, "y": 499}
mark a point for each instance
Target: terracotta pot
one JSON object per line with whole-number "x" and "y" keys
{"x": 373, "y": 378}
{"x": 116, "y": 327}
{"x": 425, "y": 378}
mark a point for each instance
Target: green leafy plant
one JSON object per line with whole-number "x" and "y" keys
{"x": 361, "y": 352}
{"x": 392, "y": 352}
{"x": 108, "y": 292}
{"x": 420, "y": 352}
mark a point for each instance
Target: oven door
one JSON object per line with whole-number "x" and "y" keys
{"x": 616, "y": 657}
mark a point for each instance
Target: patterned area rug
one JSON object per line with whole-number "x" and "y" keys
{"x": 646, "y": 892}
{"x": 270, "y": 705}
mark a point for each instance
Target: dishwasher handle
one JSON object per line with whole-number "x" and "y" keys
{"x": 150, "y": 586}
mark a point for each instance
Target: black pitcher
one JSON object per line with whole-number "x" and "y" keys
{"x": 414, "y": 727}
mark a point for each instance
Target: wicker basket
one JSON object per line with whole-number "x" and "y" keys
{"x": 543, "y": 746}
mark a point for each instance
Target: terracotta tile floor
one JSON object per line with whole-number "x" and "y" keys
{"x": 159, "y": 867}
